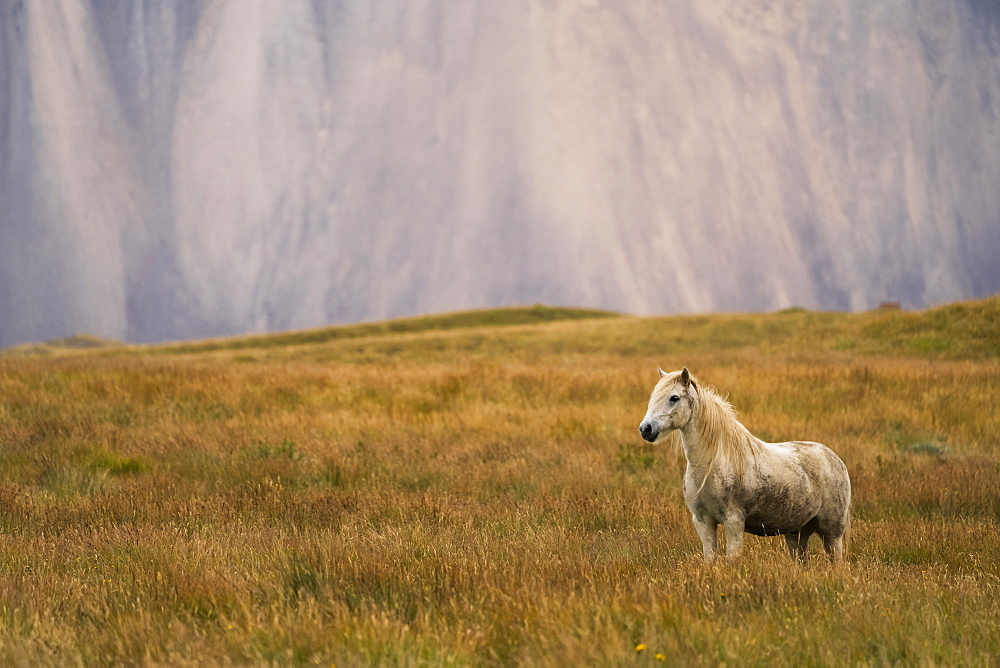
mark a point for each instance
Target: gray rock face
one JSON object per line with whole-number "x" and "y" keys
{"x": 207, "y": 167}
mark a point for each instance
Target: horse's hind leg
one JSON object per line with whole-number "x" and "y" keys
{"x": 834, "y": 547}
{"x": 798, "y": 545}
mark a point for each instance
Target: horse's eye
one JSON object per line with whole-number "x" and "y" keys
{"x": 674, "y": 398}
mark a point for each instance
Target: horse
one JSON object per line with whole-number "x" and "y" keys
{"x": 794, "y": 489}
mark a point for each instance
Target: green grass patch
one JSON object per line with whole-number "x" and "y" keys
{"x": 486, "y": 318}
{"x": 635, "y": 457}
{"x": 103, "y": 459}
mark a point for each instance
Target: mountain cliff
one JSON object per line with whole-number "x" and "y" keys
{"x": 184, "y": 169}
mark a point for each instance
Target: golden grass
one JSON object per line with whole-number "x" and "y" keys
{"x": 466, "y": 493}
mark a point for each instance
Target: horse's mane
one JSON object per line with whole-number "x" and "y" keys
{"x": 720, "y": 433}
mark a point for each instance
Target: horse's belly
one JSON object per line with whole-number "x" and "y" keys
{"x": 757, "y": 527}
{"x": 780, "y": 515}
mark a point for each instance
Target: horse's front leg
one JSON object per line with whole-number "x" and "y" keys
{"x": 733, "y": 527}
{"x": 708, "y": 532}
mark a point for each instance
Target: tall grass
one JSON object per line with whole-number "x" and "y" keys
{"x": 475, "y": 493}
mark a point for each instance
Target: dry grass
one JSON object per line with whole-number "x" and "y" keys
{"x": 475, "y": 494}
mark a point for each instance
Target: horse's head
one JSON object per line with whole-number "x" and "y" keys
{"x": 670, "y": 405}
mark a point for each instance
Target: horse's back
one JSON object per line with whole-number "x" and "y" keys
{"x": 820, "y": 462}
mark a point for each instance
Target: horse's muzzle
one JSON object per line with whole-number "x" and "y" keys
{"x": 647, "y": 431}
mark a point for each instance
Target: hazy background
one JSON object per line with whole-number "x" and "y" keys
{"x": 173, "y": 169}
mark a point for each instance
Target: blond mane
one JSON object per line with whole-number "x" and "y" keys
{"x": 721, "y": 435}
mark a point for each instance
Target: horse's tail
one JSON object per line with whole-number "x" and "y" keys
{"x": 846, "y": 537}
{"x": 847, "y": 532}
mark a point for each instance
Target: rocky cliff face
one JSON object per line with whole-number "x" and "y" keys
{"x": 182, "y": 169}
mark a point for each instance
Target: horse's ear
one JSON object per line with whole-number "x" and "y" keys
{"x": 685, "y": 377}
{"x": 661, "y": 372}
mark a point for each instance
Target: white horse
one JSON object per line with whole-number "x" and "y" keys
{"x": 736, "y": 480}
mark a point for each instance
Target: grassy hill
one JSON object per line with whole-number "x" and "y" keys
{"x": 471, "y": 488}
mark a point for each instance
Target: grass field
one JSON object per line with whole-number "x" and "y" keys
{"x": 471, "y": 489}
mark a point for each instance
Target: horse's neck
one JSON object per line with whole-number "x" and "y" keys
{"x": 703, "y": 457}
{"x": 699, "y": 455}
